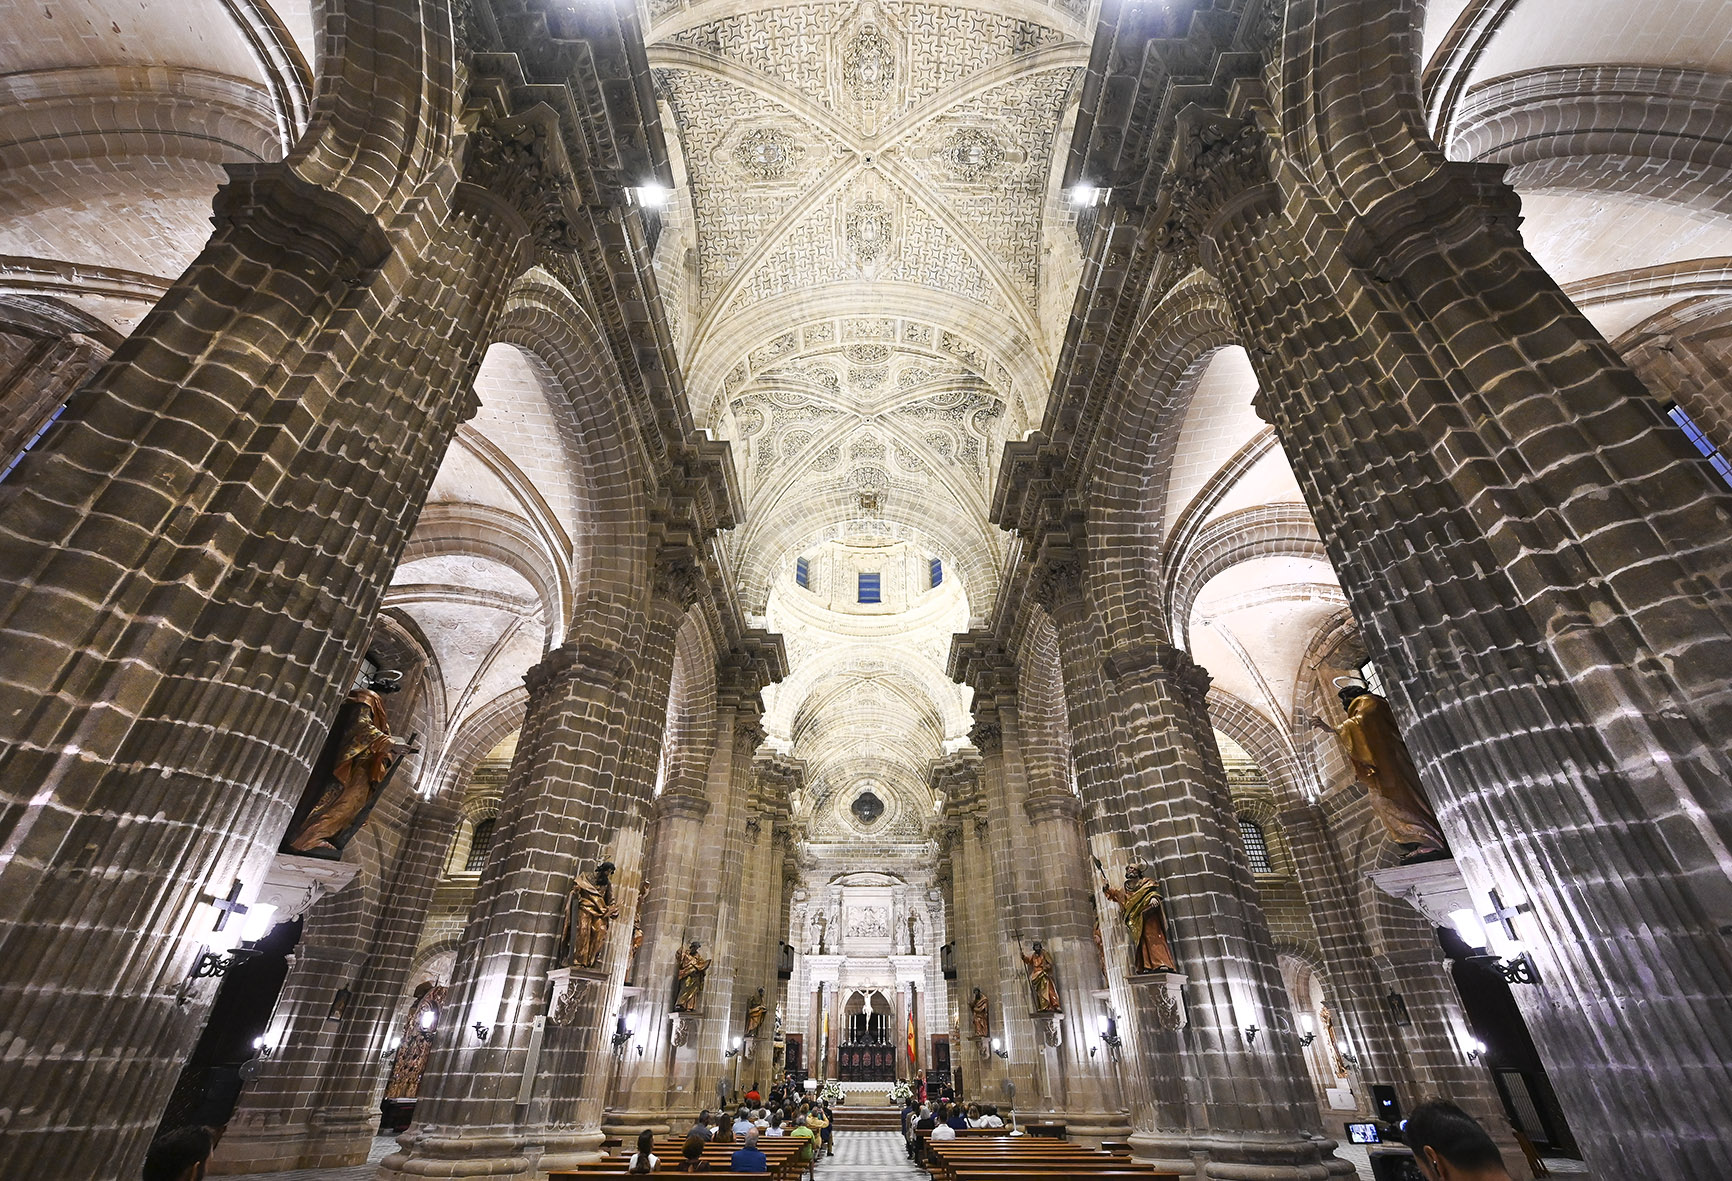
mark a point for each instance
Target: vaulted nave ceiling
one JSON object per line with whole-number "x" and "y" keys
{"x": 867, "y": 265}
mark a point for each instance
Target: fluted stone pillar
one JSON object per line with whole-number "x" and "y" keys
{"x": 315, "y": 1101}
{"x": 1541, "y": 568}
{"x": 577, "y": 795}
{"x": 230, "y": 492}
{"x": 1030, "y": 797}
{"x": 1151, "y": 774}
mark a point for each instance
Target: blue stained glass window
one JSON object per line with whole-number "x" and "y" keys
{"x": 869, "y": 589}
{"x": 1700, "y": 440}
{"x": 803, "y": 572}
{"x": 937, "y": 571}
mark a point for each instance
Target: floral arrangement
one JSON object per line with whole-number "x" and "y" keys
{"x": 833, "y": 1093}
{"x": 899, "y": 1094}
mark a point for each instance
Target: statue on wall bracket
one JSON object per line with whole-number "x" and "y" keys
{"x": 353, "y": 771}
{"x": 1373, "y": 744}
{"x": 1043, "y": 992}
{"x": 690, "y": 968}
{"x": 589, "y": 913}
{"x": 755, "y": 1014}
{"x": 979, "y": 1010}
{"x": 1145, "y": 919}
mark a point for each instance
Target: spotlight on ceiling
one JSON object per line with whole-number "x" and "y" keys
{"x": 653, "y": 196}
{"x": 1085, "y": 196}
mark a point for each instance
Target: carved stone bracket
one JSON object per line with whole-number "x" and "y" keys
{"x": 683, "y": 1027}
{"x": 1049, "y": 1027}
{"x": 295, "y": 884}
{"x": 1167, "y": 997}
{"x": 566, "y": 990}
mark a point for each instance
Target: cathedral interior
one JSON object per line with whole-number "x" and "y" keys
{"x": 1160, "y": 564}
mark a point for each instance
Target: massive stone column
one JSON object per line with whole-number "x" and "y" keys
{"x": 519, "y": 1075}
{"x": 1148, "y": 768}
{"x": 315, "y": 1101}
{"x": 1541, "y": 566}
{"x": 1026, "y": 791}
{"x": 195, "y": 557}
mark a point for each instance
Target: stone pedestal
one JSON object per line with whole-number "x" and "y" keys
{"x": 294, "y": 884}
{"x": 1165, "y": 995}
{"x": 1435, "y": 889}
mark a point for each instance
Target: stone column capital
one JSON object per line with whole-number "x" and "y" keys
{"x": 603, "y": 666}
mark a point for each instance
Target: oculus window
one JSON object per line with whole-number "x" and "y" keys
{"x": 867, "y": 807}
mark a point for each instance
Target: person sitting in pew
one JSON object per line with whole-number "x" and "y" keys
{"x": 643, "y": 1160}
{"x": 692, "y": 1155}
{"x": 749, "y": 1158}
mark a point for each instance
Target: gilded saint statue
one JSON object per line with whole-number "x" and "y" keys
{"x": 1042, "y": 991}
{"x": 362, "y": 754}
{"x": 1145, "y": 919}
{"x": 755, "y": 1014}
{"x": 1380, "y": 760}
{"x": 982, "y": 1019}
{"x": 589, "y": 912}
{"x": 690, "y": 968}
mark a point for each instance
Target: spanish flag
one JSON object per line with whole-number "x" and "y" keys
{"x": 911, "y": 1062}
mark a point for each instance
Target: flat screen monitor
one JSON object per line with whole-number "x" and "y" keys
{"x": 1363, "y": 1134}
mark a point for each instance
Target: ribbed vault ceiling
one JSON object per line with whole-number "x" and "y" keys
{"x": 858, "y": 266}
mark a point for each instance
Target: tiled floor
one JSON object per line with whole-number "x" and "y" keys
{"x": 869, "y": 1156}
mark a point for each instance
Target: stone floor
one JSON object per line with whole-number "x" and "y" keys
{"x": 860, "y": 1156}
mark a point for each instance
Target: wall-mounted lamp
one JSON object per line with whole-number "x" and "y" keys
{"x": 1348, "y": 1058}
{"x": 481, "y": 1032}
{"x": 1310, "y": 1034}
{"x": 261, "y": 1047}
{"x": 1108, "y": 1027}
{"x": 735, "y": 1049}
{"x": 1475, "y": 1049}
{"x": 998, "y": 1048}
{"x": 427, "y": 1020}
{"x": 221, "y": 949}
{"x": 1251, "y": 1032}
{"x": 653, "y": 195}
{"x": 390, "y": 1050}
{"x": 622, "y": 1034}
{"x": 1506, "y": 955}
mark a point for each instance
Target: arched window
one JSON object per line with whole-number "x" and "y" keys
{"x": 1256, "y": 848}
{"x": 479, "y": 840}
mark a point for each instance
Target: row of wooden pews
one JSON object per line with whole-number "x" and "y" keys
{"x": 977, "y": 1157}
{"x": 782, "y": 1153}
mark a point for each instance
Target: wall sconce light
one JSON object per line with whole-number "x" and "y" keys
{"x": 261, "y": 1046}
{"x": 1506, "y": 955}
{"x": 622, "y": 1034}
{"x": 1348, "y": 1058}
{"x": 998, "y": 1048}
{"x": 1475, "y": 1049}
{"x": 1310, "y": 1034}
{"x": 481, "y": 1032}
{"x": 1109, "y": 1035}
{"x": 1251, "y": 1032}
{"x": 734, "y": 1050}
{"x": 390, "y": 1050}
{"x": 427, "y": 1020}
{"x": 221, "y": 950}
